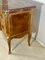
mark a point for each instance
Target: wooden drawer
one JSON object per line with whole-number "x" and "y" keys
{"x": 18, "y": 23}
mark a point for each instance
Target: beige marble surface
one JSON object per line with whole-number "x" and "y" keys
{"x": 13, "y": 4}
{"x": 21, "y": 50}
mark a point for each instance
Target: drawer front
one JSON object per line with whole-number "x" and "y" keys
{"x": 19, "y": 23}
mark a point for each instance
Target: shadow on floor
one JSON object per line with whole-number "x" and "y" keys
{"x": 19, "y": 43}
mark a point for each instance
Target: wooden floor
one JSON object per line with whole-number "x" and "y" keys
{"x": 21, "y": 50}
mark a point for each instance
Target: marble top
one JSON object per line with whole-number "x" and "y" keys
{"x": 19, "y": 4}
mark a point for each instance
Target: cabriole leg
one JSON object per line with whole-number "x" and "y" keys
{"x": 9, "y": 45}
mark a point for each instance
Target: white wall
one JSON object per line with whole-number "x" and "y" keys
{"x": 41, "y": 1}
{"x": 41, "y": 31}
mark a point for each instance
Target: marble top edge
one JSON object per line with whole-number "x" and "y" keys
{"x": 15, "y": 9}
{"x": 19, "y": 4}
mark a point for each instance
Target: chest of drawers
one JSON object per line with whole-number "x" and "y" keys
{"x": 17, "y": 23}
